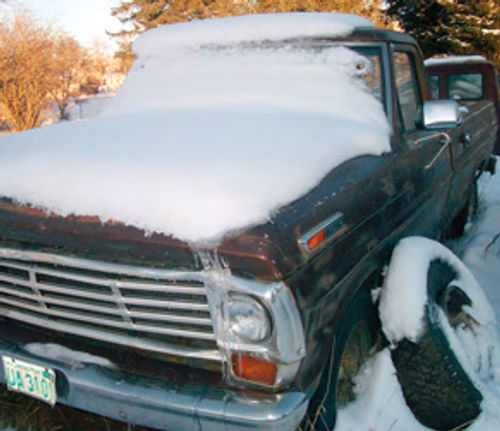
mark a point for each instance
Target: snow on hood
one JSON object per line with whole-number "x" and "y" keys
{"x": 203, "y": 141}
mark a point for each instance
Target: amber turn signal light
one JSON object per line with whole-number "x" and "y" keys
{"x": 252, "y": 369}
{"x": 316, "y": 240}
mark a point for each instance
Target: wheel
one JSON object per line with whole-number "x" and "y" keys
{"x": 438, "y": 367}
{"x": 352, "y": 347}
{"x": 457, "y": 227}
{"x": 435, "y": 386}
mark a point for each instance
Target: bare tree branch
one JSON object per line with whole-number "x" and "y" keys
{"x": 38, "y": 63}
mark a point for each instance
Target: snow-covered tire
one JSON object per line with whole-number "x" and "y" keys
{"x": 434, "y": 384}
{"x": 356, "y": 336}
{"x": 438, "y": 377}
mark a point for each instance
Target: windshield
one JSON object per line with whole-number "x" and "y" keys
{"x": 319, "y": 78}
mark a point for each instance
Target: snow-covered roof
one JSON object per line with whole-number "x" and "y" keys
{"x": 248, "y": 28}
{"x": 454, "y": 60}
{"x": 202, "y": 141}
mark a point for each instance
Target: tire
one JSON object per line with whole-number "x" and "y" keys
{"x": 435, "y": 386}
{"x": 469, "y": 210}
{"x": 352, "y": 346}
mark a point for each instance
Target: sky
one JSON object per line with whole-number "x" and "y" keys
{"x": 86, "y": 20}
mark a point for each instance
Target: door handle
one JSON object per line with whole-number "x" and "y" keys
{"x": 465, "y": 139}
{"x": 446, "y": 140}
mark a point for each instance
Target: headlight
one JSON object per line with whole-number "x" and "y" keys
{"x": 248, "y": 318}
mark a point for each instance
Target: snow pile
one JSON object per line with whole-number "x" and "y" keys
{"x": 481, "y": 253}
{"x": 205, "y": 139}
{"x": 88, "y": 107}
{"x": 482, "y": 244}
{"x": 73, "y": 358}
{"x": 379, "y": 403}
{"x": 404, "y": 296}
{"x": 248, "y": 28}
{"x": 458, "y": 59}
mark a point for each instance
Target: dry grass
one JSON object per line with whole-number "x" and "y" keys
{"x": 22, "y": 413}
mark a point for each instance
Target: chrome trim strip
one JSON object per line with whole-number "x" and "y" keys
{"x": 170, "y": 288}
{"x": 132, "y": 342}
{"x": 181, "y": 305}
{"x": 120, "y": 324}
{"x": 118, "y": 311}
{"x": 95, "y": 265}
{"x": 326, "y": 225}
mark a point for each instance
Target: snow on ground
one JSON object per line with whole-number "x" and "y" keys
{"x": 88, "y": 107}
{"x": 81, "y": 108}
{"x": 480, "y": 248}
{"x": 75, "y": 359}
{"x": 201, "y": 125}
{"x": 380, "y": 405}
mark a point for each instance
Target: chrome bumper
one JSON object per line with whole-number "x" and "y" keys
{"x": 167, "y": 406}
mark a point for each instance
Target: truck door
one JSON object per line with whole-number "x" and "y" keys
{"x": 470, "y": 138}
{"x": 424, "y": 162}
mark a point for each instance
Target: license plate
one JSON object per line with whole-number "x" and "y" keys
{"x": 30, "y": 379}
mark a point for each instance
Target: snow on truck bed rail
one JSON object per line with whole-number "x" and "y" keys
{"x": 454, "y": 59}
{"x": 212, "y": 132}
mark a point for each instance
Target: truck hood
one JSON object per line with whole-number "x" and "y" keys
{"x": 197, "y": 175}
{"x": 255, "y": 253}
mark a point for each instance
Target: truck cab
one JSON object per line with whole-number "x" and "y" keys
{"x": 467, "y": 79}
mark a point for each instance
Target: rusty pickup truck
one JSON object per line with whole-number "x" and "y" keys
{"x": 466, "y": 79}
{"x": 139, "y": 327}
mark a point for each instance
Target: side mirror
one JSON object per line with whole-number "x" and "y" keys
{"x": 441, "y": 114}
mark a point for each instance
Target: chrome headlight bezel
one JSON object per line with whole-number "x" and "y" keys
{"x": 284, "y": 345}
{"x": 248, "y": 318}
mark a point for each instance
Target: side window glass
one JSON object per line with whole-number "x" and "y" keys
{"x": 369, "y": 69}
{"x": 370, "y": 72}
{"x": 465, "y": 86}
{"x": 407, "y": 88}
{"x": 434, "y": 81}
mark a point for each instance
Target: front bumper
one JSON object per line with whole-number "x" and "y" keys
{"x": 165, "y": 405}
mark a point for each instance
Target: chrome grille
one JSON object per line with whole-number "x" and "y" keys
{"x": 151, "y": 309}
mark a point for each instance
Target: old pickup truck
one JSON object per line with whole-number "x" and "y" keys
{"x": 466, "y": 79}
{"x": 259, "y": 324}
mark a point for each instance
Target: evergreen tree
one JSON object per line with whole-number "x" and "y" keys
{"x": 141, "y": 15}
{"x": 146, "y": 14}
{"x": 451, "y": 27}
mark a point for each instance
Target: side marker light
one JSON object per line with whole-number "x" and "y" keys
{"x": 316, "y": 240}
